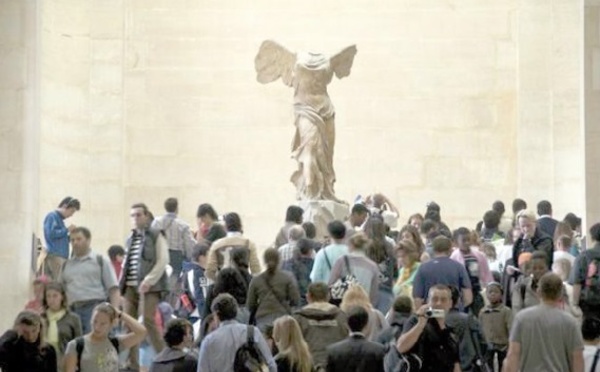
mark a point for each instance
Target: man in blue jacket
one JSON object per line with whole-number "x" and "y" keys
{"x": 56, "y": 234}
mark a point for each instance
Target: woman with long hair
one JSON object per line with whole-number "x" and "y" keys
{"x": 62, "y": 325}
{"x": 294, "y": 355}
{"x": 357, "y": 296}
{"x": 97, "y": 350}
{"x": 234, "y": 280}
{"x": 411, "y": 233}
{"x": 416, "y": 220}
{"x": 272, "y": 293}
{"x": 381, "y": 252}
{"x": 408, "y": 255}
{"x": 23, "y": 348}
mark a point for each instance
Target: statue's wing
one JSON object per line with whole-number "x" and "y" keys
{"x": 272, "y": 62}
{"x": 342, "y": 62}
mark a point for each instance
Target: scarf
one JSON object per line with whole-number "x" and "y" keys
{"x": 407, "y": 272}
{"x": 53, "y": 318}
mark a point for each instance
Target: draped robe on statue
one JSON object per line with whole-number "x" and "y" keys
{"x": 314, "y": 114}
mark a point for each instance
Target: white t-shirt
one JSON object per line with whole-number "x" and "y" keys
{"x": 588, "y": 358}
{"x": 564, "y": 255}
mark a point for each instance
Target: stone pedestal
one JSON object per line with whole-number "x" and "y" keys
{"x": 321, "y": 212}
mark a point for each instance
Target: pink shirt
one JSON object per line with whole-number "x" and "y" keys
{"x": 485, "y": 275}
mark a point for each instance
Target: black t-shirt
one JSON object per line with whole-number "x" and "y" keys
{"x": 438, "y": 348}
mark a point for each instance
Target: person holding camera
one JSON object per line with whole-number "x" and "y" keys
{"x": 426, "y": 332}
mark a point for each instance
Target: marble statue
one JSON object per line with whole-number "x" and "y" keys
{"x": 314, "y": 114}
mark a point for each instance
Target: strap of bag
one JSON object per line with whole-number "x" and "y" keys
{"x": 271, "y": 289}
{"x": 595, "y": 362}
{"x": 474, "y": 339}
{"x": 250, "y": 334}
{"x": 347, "y": 262}
{"x": 327, "y": 259}
{"x": 79, "y": 344}
{"x": 523, "y": 289}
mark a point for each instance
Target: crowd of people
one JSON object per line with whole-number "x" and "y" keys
{"x": 518, "y": 292}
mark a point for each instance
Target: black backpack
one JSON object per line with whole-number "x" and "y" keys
{"x": 80, "y": 344}
{"x": 396, "y": 362}
{"x": 247, "y": 357}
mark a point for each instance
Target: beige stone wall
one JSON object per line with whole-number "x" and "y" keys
{"x": 461, "y": 102}
{"x": 19, "y": 152}
{"x": 592, "y": 110}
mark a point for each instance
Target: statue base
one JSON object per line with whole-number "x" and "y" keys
{"x": 321, "y": 212}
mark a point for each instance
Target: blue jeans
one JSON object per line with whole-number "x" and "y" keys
{"x": 84, "y": 310}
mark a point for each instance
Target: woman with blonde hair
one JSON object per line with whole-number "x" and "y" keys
{"x": 23, "y": 348}
{"x": 294, "y": 355}
{"x": 357, "y": 264}
{"x": 408, "y": 257}
{"x": 357, "y": 296}
{"x": 97, "y": 350}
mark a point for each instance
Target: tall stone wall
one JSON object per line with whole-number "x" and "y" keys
{"x": 19, "y": 153}
{"x": 462, "y": 102}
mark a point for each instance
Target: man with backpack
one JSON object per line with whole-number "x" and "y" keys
{"x": 586, "y": 277}
{"x": 233, "y": 346}
{"x": 88, "y": 278}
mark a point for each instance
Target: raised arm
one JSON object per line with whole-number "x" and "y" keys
{"x": 137, "y": 334}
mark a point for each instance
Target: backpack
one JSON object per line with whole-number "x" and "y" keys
{"x": 247, "y": 357}
{"x": 80, "y": 344}
{"x": 100, "y": 262}
{"x": 590, "y": 294}
{"x": 393, "y": 361}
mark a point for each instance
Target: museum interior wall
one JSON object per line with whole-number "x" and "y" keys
{"x": 19, "y": 152}
{"x": 461, "y": 102}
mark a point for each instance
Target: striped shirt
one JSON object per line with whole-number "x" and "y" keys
{"x": 133, "y": 259}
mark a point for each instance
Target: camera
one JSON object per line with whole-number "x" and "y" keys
{"x": 435, "y": 313}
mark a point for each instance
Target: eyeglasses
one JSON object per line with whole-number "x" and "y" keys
{"x": 138, "y": 214}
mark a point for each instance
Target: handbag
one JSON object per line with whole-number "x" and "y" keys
{"x": 340, "y": 286}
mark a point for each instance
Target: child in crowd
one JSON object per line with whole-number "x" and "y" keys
{"x": 496, "y": 321}
{"x": 590, "y": 330}
{"x": 116, "y": 253}
{"x": 195, "y": 285}
{"x": 36, "y": 304}
{"x": 401, "y": 310}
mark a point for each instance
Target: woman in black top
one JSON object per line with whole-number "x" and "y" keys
{"x": 234, "y": 280}
{"x": 22, "y": 349}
